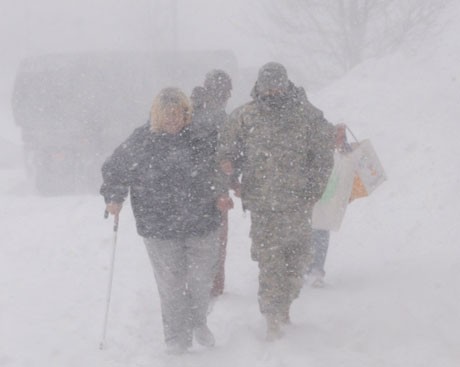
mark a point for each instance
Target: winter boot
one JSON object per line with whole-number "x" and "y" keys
{"x": 318, "y": 282}
{"x": 204, "y": 336}
{"x": 285, "y": 317}
{"x": 176, "y": 348}
{"x": 316, "y": 278}
{"x": 273, "y": 328}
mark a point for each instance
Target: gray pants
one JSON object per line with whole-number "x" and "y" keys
{"x": 184, "y": 270}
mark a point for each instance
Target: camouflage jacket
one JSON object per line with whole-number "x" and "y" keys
{"x": 284, "y": 152}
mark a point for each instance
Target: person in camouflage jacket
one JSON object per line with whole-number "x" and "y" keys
{"x": 283, "y": 147}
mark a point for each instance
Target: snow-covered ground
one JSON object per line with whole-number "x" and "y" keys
{"x": 393, "y": 270}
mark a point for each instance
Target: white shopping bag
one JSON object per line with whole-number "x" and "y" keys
{"x": 329, "y": 211}
{"x": 368, "y": 166}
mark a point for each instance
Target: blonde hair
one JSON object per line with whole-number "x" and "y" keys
{"x": 168, "y": 101}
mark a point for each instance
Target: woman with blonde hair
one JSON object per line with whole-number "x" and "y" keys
{"x": 174, "y": 196}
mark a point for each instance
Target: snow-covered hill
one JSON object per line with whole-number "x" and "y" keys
{"x": 393, "y": 271}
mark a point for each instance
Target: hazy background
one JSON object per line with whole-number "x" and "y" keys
{"x": 317, "y": 40}
{"x": 393, "y": 270}
{"x": 29, "y": 27}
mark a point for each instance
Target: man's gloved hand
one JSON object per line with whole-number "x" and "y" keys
{"x": 340, "y": 135}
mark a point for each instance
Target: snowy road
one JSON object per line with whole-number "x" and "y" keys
{"x": 393, "y": 270}
{"x": 385, "y": 304}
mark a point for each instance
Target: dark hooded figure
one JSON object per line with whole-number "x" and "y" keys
{"x": 209, "y": 116}
{"x": 287, "y": 148}
{"x": 218, "y": 85}
{"x": 174, "y": 199}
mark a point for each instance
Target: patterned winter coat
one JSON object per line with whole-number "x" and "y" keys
{"x": 284, "y": 151}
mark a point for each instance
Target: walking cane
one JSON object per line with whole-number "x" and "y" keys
{"x": 109, "y": 288}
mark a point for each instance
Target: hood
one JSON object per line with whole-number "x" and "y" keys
{"x": 272, "y": 77}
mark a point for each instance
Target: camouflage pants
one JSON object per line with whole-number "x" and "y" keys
{"x": 281, "y": 245}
